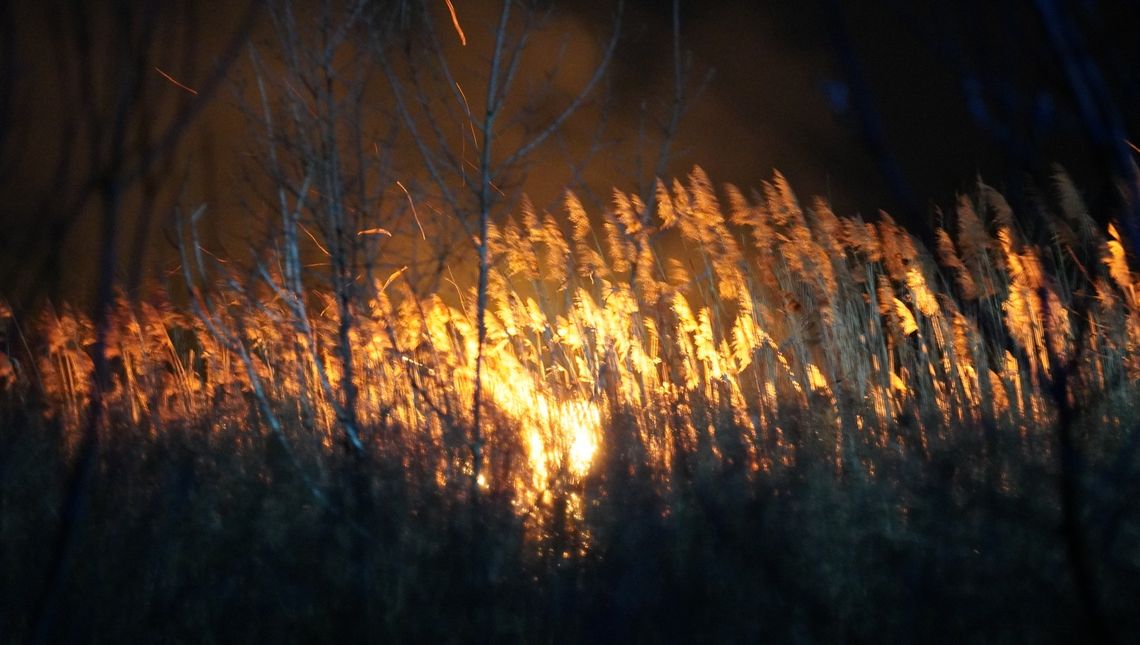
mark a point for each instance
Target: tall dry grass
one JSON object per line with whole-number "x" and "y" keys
{"x": 735, "y": 381}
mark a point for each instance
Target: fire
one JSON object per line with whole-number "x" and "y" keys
{"x": 558, "y": 432}
{"x": 595, "y": 333}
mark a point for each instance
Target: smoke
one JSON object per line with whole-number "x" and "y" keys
{"x": 764, "y": 88}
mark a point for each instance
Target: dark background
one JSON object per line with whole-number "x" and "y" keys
{"x": 831, "y": 92}
{"x": 887, "y": 105}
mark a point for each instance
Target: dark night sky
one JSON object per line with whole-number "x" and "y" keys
{"x": 837, "y": 95}
{"x": 957, "y": 89}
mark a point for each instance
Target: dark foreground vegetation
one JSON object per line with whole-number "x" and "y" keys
{"x": 203, "y": 534}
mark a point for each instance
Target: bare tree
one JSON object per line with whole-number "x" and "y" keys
{"x": 475, "y": 201}
{"x": 354, "y": 100}
{"x": 107, "y": 68}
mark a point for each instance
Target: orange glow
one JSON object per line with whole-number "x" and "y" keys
{"x": 598, "y": 332}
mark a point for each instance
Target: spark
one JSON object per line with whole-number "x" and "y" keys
{"x": 392, "y": 278}
{"x": 455, "y": 21}
{"x": 467, "y": 106}
{"x": 458, "y": 291}
{"x": 497, "y": 189}
{"x": 413, "y": 205}
{"x": 314, "y": 239}
{"x": 375, "y": 231}
{"x": 175, "y": 81}
{"x": 346, "y": 207}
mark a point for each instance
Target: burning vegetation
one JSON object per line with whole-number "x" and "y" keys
{"x": 768, "y": 418}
